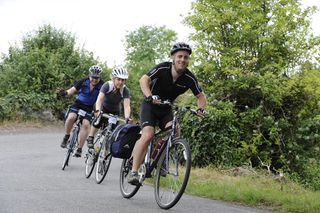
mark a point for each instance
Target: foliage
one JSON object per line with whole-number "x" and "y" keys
{"x": 145, "y": 47}
{"x": 47, "y": 59}
{"x": 215, "y": 134}
{"x": 254, "y": 55}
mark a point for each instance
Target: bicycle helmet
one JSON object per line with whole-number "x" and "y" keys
{"x": 95, "y": 71}
{"x": 180, "y": 46}
{"x": 119, "y": 72}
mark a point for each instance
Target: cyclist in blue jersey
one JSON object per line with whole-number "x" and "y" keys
{"x": 166, "y": 81}
{"x": 111, "y": 95}
{"x": 87, "y": 90}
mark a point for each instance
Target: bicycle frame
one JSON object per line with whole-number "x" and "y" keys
{"x": 171, "y": 160}
{"x": 74, "y": 138}
{"x": 102, "y": 155}
{"x": 148, "y": 166}
{"x": 113, "y": 121}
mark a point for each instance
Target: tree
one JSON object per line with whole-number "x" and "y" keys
{"x": 246, "y": 52}
{"x": 48, "y": 58}
{"x": 145, "y": 47}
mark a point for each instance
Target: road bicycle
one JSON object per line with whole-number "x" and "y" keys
{"x": 100, "y": 154}
{"x": 72, "y": 143}
{"x": 171, "y": 162}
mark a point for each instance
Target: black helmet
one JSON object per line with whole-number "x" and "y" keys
{"x": 180, "y": 46}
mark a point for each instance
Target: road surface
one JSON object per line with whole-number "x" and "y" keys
{"x": 31, "y": 180}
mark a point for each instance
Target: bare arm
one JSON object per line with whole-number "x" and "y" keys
{"x": 71, "y": 91}
{"x": 100, "y": 100}
{"x": 127, "y": 108}
{"x": 145, "y": 85}
{"x": 201, "y": 100}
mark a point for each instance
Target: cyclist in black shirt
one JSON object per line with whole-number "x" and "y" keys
{"x": 88, "y": 90}
{"x": 166, "y": 81}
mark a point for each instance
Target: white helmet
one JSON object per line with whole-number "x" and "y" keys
{"x": 119, "y": 72}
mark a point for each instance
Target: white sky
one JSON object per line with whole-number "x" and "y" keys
{"x": 99, "y": 25}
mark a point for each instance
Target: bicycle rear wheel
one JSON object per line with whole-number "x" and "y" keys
{"x": 127, "y": 190}
{"x": 70, "y": 147}
{"x": 103, "y": 163}
{"x": 172, "y": 176}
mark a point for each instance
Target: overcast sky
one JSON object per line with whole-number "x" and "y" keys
{"x": 99, "y": 25}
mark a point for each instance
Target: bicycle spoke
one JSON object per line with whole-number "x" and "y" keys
{"x": 172, "y": 174}
{"x": 127, "y": 190}
{"x": 103, "y": 163}
{"x": 90, "y": 163}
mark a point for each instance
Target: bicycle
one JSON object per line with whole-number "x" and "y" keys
{"x": 172, "y": 164}
{"x": 73, "y": 140}
{"x": 100, "y": 154}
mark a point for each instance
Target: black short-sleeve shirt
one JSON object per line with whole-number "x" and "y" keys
{"x": 163, "y": 85}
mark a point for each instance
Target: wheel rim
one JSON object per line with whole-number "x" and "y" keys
{"x": 90, "y": 163}
{"x": 170, "y": 187}
{"x": 127, "y": 190}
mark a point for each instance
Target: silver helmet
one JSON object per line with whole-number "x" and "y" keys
{"x": 181, "y": 46}
{"x": 95, "y": 71}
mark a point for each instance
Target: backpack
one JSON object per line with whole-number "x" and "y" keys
{"x": 123, "y": 139}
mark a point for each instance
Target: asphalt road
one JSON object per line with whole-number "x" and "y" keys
{"x": 31, "y": 180}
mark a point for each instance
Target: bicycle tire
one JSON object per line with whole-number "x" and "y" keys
{"x": 103, "y": 162}
{"x": 71, "y": 147}
{"x": 66, "y": 159}
{"x": 127, "y": 190}
{"x": 171, "y": 181}
{"x": 92, "y": 157}
{"x": 90, "y": 163}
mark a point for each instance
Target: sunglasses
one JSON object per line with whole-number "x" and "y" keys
{"x": 95, "y": 77}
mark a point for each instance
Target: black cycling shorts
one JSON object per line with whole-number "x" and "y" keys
{"x": 75, "y": 108}
{"x": 155, "y": 115}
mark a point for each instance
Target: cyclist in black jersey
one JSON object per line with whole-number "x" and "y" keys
{"x": 166, "y": 81}
{"x": 111, "y": 94}
{"x": 88, "y": 90}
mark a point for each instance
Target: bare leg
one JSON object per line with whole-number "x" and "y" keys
{"x": 93, "y": 131}
{"x": 84, "y": 131}
{"x": 69, "y": 122}
{"x": 141, "y": 147}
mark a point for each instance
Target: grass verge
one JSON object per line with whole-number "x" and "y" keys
{"x": 262, "y": 191}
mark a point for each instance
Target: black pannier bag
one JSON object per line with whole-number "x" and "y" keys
{"x": 123, "y": 139}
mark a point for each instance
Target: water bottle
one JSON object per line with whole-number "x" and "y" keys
{"x": 157, "y": 148}
{"x": 97, "y": 149}
{"x": 97, "y": 145}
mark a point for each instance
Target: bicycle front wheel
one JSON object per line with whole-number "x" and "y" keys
{"x": 70, "y": 147}
{"x": 66, "y": 159}
{"x": 172, "y": 174}
{"x": 90, "y": 163}
{"x": 103, "y": 163}
{"x": 127, "y": 190}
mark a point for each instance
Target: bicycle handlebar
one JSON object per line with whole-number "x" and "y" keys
{"x": 109, "y": 115}
{"x": 179, "y": 108}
